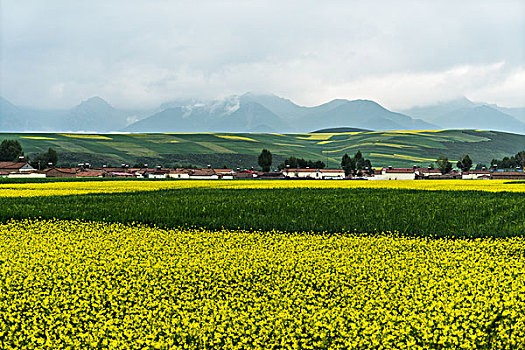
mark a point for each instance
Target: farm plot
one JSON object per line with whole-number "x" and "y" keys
{"x": 93, "y": 285}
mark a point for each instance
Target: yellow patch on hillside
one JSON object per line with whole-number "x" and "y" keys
{"x": 315, "y": 137}
{"x": 85, "y": 136}
{"x": 214, "y": 147}
{"x": 372, "y": 144}
{"x": 288, "y": 144}
{"x": 37, "y": 138}
{"x": 240, "y": 138}
{"x": 321, "y": 136}
{"x": 392, "y": 145}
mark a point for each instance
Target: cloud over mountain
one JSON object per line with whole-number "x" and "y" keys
{"x": 139, "y": 54}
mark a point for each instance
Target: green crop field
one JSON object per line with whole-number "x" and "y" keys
{"x": 410, "y": 212}
{"x": 396, "y": 148}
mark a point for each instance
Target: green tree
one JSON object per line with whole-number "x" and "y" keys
{"x": 360, "y": 162}
{"x": 265, "y": 160}
{"x": 348, "y": 164}
{"x": 318, "y": 164}
{"x": 465, "y": 163}
{"x": 520, "y": 159}
{"x": 43, "y": 159}
{"x": 444, "y": 165}
{"x": 10, "y": 150}
{"x": 517, "y": 160}
{"x": 356, "y": 165}
{"x": 294, "y": 162}
{"x": 480, "y": 166}
{"x": 51, "y": 156}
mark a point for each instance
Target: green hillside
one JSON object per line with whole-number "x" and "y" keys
{"x": 396, "y": 148}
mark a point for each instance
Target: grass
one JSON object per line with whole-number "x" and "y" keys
{"x": 436, "y": 213}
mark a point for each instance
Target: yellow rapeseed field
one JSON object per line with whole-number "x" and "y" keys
{"x": 233, "y": 137}
{"x": 84, "y": 285}
{"x": 86, "y": 187}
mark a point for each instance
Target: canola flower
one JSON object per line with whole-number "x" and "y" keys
{"x": 84, "y": 285}
{"x": 37, "y": 137}
{"x": 233, "y": 137}
{"x": 91, "y": 187}
{"x": 86, "y": 136}
{"x": 287, "y": 144}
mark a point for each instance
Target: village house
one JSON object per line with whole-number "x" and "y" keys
{"x": 423, "y": 173}
{"x": 138, "y": 172}
{"x": 475, "y": 174}
{"x": 374, "y": 174}
{"x": 119, "y": 174}
{"x": 34, "y": 174}
{"x": 60, "y": 172}
{"x": 179, "y": 174}
{"x": 332, "y": 174}
{"x": 225, "y": 174}
{"x": 151, "y": 173}
{"x": 246, "y": 174}
{"x": 203, "y": 174}
{"x": 453, "y": 175}
{"x": 157, "y": 174}
{"x": 19, "y": 166}
{"x": 20, "y": 169}
{"x": 90, "y": 173}
{"x": 291, "y": 173}
{"x": 508, "y": 175}
{"x": 319, "y": 174}
{"x": 277, "y": 175}
{"x": 391, "y": 173}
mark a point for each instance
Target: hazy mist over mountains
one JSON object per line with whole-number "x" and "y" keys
{"x": 259, "y": 113}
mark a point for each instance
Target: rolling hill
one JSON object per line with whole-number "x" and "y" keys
{"x": 396, "y": 148}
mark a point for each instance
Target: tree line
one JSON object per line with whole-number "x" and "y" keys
{"x": 465, "y": 163}
{"x": 515, "y": 161}
{"x": 265, "y": 162}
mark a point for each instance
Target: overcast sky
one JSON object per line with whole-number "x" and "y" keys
{"x": 137, "y": 54}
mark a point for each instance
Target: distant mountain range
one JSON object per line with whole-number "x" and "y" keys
{"x": 463, "y": 113}
{"x": 259, "y": 113}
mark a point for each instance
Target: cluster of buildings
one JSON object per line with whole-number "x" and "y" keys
{"x": 414, "y": 173}
{"x": 23, "y": 169}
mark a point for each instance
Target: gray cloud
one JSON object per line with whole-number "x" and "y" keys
{"x": 140, "y": 53}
